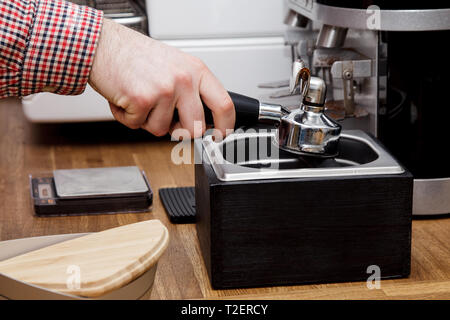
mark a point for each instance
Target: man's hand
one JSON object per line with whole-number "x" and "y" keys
{"x": 145, "y": 80}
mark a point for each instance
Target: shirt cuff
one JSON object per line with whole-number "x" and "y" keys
{"x": 61, "y": 48}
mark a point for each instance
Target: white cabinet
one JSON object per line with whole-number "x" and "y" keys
{"x": 242, "y": 64}
{"x": 47, "y": 107}
{"x": 241, "y": 41}
{"x": 181, "y": 19}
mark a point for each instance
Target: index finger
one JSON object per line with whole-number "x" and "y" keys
{"x": 217, "y": 99}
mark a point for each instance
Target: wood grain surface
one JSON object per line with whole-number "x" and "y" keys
{"x": 30, "y": 148}
{"x": 105, "y": 260}
{"x": 249, "y": 238}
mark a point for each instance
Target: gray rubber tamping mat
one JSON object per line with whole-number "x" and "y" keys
{"x": 179, "y": 204}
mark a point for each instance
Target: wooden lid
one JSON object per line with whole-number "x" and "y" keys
{"x": 104, "y": 261}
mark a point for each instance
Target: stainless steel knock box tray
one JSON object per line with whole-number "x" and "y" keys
{"x": 10, "y": 288}
{"x": 273, "y": 218}
{"x": 359, "y": 154}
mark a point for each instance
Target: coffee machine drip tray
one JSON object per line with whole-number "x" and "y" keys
{"x": 253, "y": 155}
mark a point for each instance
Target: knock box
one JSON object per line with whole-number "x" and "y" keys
{"x": 266, "y": 220}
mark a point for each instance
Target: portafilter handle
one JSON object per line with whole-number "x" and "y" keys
{"x": 249, "y": 111}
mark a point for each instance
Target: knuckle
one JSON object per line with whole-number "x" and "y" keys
{"x": 184, "y": 78}
{"x": 166, "y": 90}
{"x": 133, "y": 121}
{"x": 227, "y": 106}
{"x": 158, "y": 130}
{"x": 133, "y": 124}
{"x": 142, "y": 100}
{"x": 198, "y": 63}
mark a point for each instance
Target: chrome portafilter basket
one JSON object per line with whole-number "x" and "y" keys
{"x": 307, "y": 130}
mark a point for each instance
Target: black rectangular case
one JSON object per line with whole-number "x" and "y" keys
{"x": 46, "y": 201}
{"x": 303, "y": 230}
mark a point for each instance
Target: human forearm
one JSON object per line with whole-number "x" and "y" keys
{"x": 46, "y": 45}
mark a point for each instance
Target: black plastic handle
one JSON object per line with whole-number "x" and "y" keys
{"x": 247, "y": 110}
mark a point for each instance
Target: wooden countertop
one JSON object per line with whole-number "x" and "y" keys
{"x": 30, "y": 148}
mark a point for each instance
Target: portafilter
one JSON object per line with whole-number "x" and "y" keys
{"x": 304, "y": 131}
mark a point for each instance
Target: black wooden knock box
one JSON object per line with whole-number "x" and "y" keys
{"x": 306, "y": 221}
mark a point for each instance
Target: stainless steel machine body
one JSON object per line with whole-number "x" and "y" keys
{"x": 386, "y": 67}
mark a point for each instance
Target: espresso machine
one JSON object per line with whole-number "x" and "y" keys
{"x": 386, "y": 67}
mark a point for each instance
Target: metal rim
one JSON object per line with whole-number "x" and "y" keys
{"x": 390, "y": 20}
{"x": 227, "y": 171}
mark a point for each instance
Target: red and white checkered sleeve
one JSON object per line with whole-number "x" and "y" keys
{"x": 46, "y": 45}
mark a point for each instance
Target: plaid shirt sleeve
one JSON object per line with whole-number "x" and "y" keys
{"x": 46, "y": 45}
